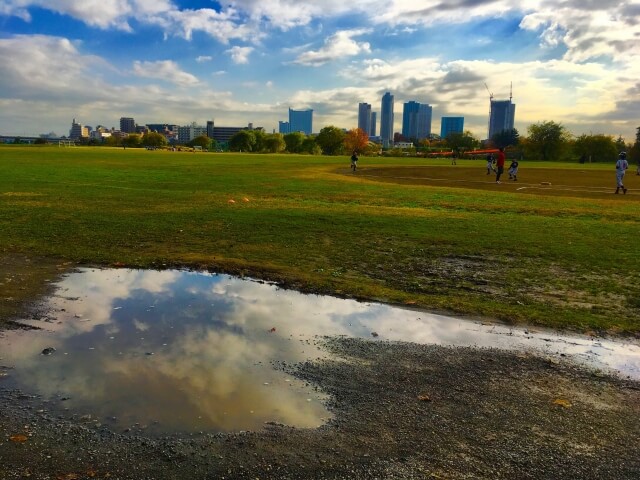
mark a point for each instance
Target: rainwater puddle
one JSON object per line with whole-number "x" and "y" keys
{"x": 177, "y": 351}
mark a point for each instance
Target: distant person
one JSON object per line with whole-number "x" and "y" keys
{"x": 621, "y": 169}
{"x": 490, "y": 161}
{"x": 638, "y": 169}
{"x": 513, "y": 170}
{"x": 453, "y": 159}
{"x": 354, "y": 161}
{"x": 500, "y": 164}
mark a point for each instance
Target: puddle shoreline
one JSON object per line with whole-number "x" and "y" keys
{"x": 167, "y": 351}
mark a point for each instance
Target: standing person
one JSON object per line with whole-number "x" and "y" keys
{"x": 513, "y": 170}
{"x": 354, "y": 161}
{"x": 500, "y": 164}
{"x": 490, "y": 161}
{"x": 621, "y": 168}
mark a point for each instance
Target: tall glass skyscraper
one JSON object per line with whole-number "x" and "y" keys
{"x": 366, "y": 119}
{"x": 501, "y": 117}
{"x": 386, "y": 120}
{"x": 451, "y": 125}
{"x": 416, "y": 120}
{"x": 301, "y": 121}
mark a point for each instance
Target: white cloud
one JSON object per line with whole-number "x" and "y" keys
{"x": 204, "y": 58}
{"x": 339, "y": 45}
{"x": 240, "y": 55}
{"x": 166, "y": 70}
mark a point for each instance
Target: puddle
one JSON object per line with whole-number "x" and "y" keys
{"x": 176, "y": 351}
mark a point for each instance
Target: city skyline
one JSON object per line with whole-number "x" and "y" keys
{"x": 242, "y": 61}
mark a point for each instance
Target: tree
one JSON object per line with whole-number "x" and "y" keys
{"x": 294, "y": 141}
{"x": 201, "y": 141}
{"x": 274, "y": 143}
{"x": 548, "y": 140}
{"x": 506, "y": 138}
{"x": 356, "y": 140}
{"x": 596, "y": 148}
{"x": 242, "y": 141}
{"x": 634, "y": 153}
{"x": 310, "y": 146}
{"x": 461, "y": 142}
{"x": 131, "y": 140}
{"x": 261, "y": 138}
{"x": 331, "y": 140}
{"x": 154, "y": 139}
{"x": 113, "y": 141}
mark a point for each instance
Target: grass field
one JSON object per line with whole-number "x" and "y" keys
{"x": 403, "y": 230}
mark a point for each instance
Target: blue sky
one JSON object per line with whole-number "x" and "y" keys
{"x": 247, "y": 61}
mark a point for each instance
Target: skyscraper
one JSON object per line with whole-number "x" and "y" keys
{"x": 284, "y": 127}
{"x": 374, "y": 119}
{"x": 366, "y": 119}
{"x": 301, "y": 121}
{"x": 127, "y": 125}
{"x": 451, "y": 125}
{"x": 501, "y": 116}
{"x": 386, "y": 120}
{"x": 416, "y": 120}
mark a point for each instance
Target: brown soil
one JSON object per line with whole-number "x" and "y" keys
{"x": 586, "y": 183}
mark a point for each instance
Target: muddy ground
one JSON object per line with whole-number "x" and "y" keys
{"x": 401, "y": 411}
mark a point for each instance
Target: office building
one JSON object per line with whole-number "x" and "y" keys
{"x": 301, "y": 121}
{"x": 284, "y": 127}
{"x": 127, "y": 125}
{"x": 78, "y": 131}
{"x": 501, "y": 116}
{"x": 451, "y": 125}
{"x": 366, "y": 119}
{"x": 416, "y": 120}
{"x": 189, "y": 132}
{"x": 386, "y": 120}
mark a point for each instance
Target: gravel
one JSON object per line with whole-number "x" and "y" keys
{"x": 400, "y": 411}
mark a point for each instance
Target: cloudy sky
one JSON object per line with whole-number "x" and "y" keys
{"x": 247, "y": 61}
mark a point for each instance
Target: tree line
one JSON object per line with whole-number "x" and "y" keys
{"x": 546, "y": 140}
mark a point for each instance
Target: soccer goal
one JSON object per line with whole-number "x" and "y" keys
{"x": 66, "y": 143}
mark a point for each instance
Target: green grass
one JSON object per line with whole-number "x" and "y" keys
{"x": 566, "y": 260}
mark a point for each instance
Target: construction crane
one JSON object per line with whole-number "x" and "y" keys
{"x": 490, "y": 102}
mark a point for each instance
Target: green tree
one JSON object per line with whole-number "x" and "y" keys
{"x": 461, "y": 142}
{"x": 331, "y": 140}
{"x": 132, "y": 140}
{"x": 274, "y": 143}
{"x": 154, "y": 139}
{"x": 294, "y": 141}
{"x": 261, "y": 138}
{"x": 201, "y": 141}
{"x": 243, "y": 141}
{"x": 310, "y": 146}
{"x": 595, "y": 148}
{"x": 113, "y": 141}
{"x": 506, "y": 138}
{"x": 548, "y": 140}
{"x": 634, "y": 153}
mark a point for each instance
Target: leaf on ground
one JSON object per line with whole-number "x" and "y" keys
{"x": 562, "y": 402}
{"x": 68, "y": 476}
{"x": 18, "y": 438}
{"x": 424, "y": 397}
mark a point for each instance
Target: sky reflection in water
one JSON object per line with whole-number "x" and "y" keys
{"x": 189, "y": 351}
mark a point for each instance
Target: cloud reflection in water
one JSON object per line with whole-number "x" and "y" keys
{"x": 189, "y": 351}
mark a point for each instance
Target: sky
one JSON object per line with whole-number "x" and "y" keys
{"x": 575, "y": 62}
